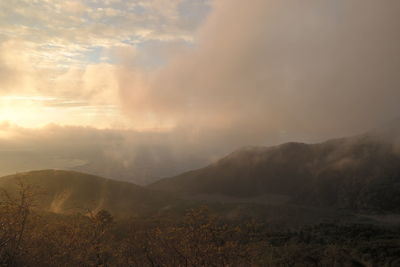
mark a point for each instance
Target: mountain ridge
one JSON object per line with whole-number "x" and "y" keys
{"x": 361, "y": 172}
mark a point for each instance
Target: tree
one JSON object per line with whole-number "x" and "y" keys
{"x": 14, "y": 214}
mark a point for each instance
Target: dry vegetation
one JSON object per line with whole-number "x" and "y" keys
{"x": 32, "y": 238}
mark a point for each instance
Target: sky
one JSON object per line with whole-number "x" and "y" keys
{"x": 198, "y": 76}
{"x": 59, "y": 60}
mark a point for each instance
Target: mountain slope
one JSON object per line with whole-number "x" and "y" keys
{"x": 361, "y": 172}
{"x": 68, "y": 191}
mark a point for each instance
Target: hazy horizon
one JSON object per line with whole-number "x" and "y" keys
{"x": 177, "y": 84}
{"x": 199, "y": 133}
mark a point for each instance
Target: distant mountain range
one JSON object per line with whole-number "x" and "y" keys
{"x": 357, "y": 173}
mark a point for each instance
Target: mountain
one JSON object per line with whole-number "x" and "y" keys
{"x": 358, "y": 173}
{"x": 68, "y": 192}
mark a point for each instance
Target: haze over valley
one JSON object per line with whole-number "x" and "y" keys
{"x": 199, "y": 133}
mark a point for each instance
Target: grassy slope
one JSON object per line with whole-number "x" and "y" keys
{"x": 68, "y": 191}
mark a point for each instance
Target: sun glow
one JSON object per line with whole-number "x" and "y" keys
{"x": 38, "y": 111}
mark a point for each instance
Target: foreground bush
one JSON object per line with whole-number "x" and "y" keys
{"x": 33, "y": 238}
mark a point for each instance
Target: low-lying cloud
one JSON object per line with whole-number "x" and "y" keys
{"x": 259, "y": 72}
{"x": 140, "y": 157}
{"x": 271, "y": 71}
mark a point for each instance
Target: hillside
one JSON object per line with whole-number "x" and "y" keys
{"x": 68, "y": 192}
{"x": 359, "y": 173}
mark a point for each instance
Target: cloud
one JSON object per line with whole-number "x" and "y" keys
{"x": 140, "y": 157}
{"x": 272, "y": 71}
{"x": 73, "y": 7}
{"x": 64, "y": 31}
{"x": 73, "y": 50}
{"x": 259, "y": 72}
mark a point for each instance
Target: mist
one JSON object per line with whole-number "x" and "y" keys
{"x": 139, "y": 157}
{"x": 267, "y": 72}
{"x": 259, "y": 73}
